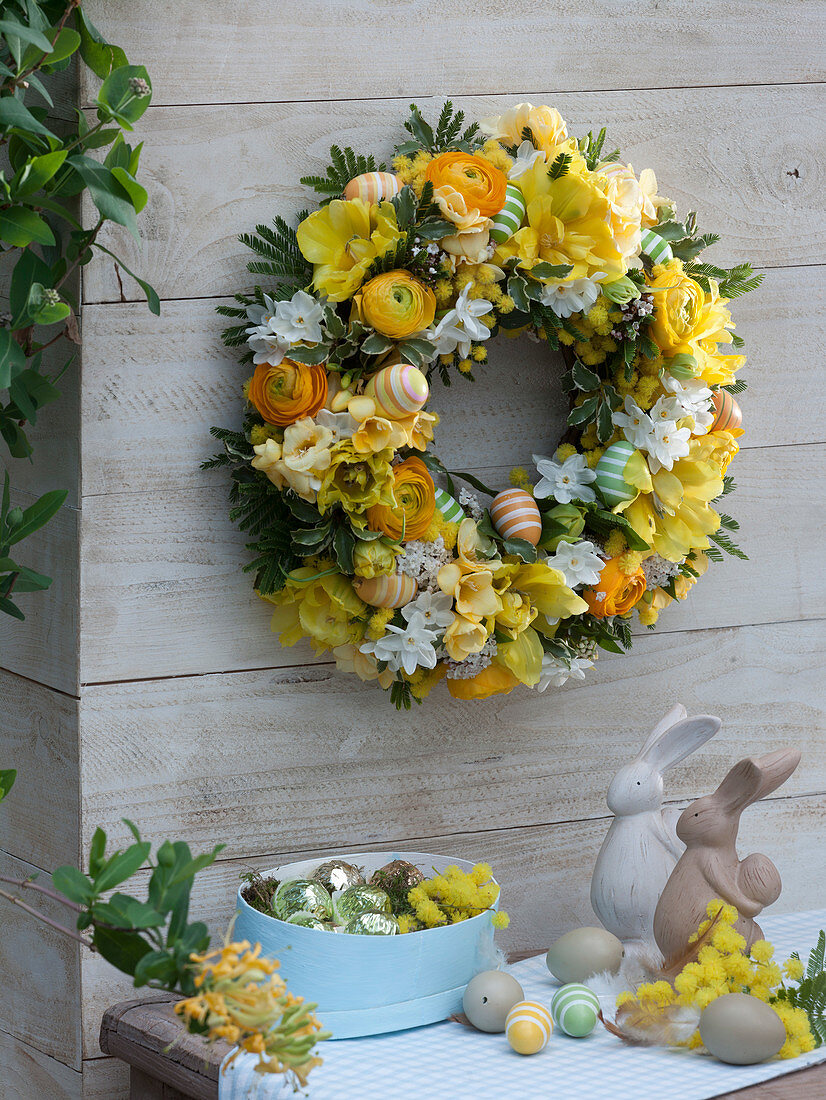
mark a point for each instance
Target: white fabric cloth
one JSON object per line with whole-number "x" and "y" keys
{"x": 447, "y": 1061}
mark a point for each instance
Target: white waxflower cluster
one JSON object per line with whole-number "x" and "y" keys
{"x": 471, "y": 503}
{"x": 658, "y": 571}
{"x": 423, "y": 560}
{"x": 474, "y": 664}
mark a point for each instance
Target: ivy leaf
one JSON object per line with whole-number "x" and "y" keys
{"x": 376, "y": 344}
{"x": 583, "y": 413}
{"x": 521, "y": 548}
{"x": 312, "y": 356}
{"x": 433, "y": 229}
{"x": 518, "y": 290}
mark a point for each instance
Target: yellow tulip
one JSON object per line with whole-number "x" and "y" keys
{"x": 547, "y": 590}
{"x": 496, "y": 679}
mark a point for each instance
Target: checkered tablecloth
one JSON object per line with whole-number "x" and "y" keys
{"x": 446, "y": 1061}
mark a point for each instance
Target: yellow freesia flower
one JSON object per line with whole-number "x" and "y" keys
{"x": 546, "y": 589}
{"x": 342, "y": 239}
{"x": 472, "y": 590}
{"x": 465, "y": 636}
{"x": 568, "y": 223}
{"x": 496, "y": 679}
{"x": 546, "y": 123}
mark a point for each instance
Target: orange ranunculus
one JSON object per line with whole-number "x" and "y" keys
{"x": 415, "y": 503}
{"x": 617, "y": 591}
{"x": 480, "y": 184}
{"x": 396, "y": 304}
{"x": 285, "y": 393}
{"x": 493, "y": 680}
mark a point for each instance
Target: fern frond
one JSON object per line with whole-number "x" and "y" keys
{"x": 725, "y": 543}
{"x": 346, "y": 165}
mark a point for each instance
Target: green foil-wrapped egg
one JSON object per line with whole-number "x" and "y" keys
{"x": 299, "y": 894}
{"x": 335, "y": 874}
{"x": 372, "y": 923}
{"x": 307, "y": 920}
{"x": 359, "y": 899}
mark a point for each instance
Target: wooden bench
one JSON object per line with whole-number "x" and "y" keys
{"x": 166, "y": 1063}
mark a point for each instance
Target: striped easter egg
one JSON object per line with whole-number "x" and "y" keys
{"x": 509, "y": 218}
{"x": 528, "y": 1027}
{"x": 393, "y": 591}
{"x": 516, "y": 516}
{"x": 656, "y": 248}
{"x": 372, "y": 187}
{"x": 574, "y": 1010}
{"x": 450, "y": 508}
{"x": 728, "y": 412}
{"x": 399, "y": 390}
{"x": 610, "y": 482}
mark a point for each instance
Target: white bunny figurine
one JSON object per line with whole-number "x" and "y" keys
{"x": 641, "y": 848}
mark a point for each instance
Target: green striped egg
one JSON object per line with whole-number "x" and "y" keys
{"x": 509, "y": 218}
{"x": 610, "y": 483}
{"x": 655, "y": 247}
{"x": 574, "y": 1010}
{"x": 450, "y": 508}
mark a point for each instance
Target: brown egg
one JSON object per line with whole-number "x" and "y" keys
{"x": 741, "y": 1029}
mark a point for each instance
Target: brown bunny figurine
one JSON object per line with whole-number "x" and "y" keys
{"x": 709, "y": 867}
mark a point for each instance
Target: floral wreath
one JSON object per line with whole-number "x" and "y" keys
{"x": 360, "y": 538}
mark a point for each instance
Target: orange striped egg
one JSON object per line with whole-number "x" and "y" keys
{"x": 399, "y": 391}
{"x": 372, "y": 186}
{"x": 516, "y": 516}
{"x": 528, "y": 1027}
{"x": 728, "y": 412}
{"x": 393, "y": 591}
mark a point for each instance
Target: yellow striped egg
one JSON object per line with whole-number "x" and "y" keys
{"x": 728, "y": 412}
{"x": 393, "y": 591}
{"x": 516, "y": 516}
{"x": 399, "y": 391}
{"x": 528, "y": 1027}
{"x": 372, "y": 187}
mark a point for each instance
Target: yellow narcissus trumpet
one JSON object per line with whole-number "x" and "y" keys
{"x": 568, "y": 223}
{"x": 396, "y": 304}
{"x": 342, "y": 239}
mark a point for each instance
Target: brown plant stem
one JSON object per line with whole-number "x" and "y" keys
{"x": 47, "y": 920}
{"x": 30, "y": 884}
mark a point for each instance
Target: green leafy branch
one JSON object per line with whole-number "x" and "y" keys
{"x": 345, "y": 165}
{"x": 447, "y": 136}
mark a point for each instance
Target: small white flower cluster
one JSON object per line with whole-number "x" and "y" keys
{"x": 423, "y": 560}
{"x": 413, "y": 645}
{"x": 564, "y": 481}
{"x": 658, "y": 571}
{"x": 470, "y": 502}
{"x": 475, "y": 663}
{"x": 276, "y": 326}
{"x": 557, "y": 670}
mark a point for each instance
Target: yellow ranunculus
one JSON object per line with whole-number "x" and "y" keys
{"x": 546, "y": 589}
{"x": 567, "y": 224}
{"x": 342, "y": 239}
{"x": 479, "y": 182}
{"x": 356, "y": 481}
{"x": 472, "y": 590}
{"x": 375, "y": 558}
{"x": 287, "y": 391}
{"x": 546, "y": 123}
{"x": 320, "y": 604}
{"x": 523, "y": 656}
{"x": 396, "y": 304}
{"x": 464, "y": 636}
{"x": 496, "y": 679}
{"x": 625, "y": 200}
{"x": 616, "y": 592}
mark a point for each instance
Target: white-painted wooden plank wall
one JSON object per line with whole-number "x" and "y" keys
{"x": 166, "y": 699}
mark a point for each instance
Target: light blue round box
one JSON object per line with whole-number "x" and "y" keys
{"x": 367, "y": 985}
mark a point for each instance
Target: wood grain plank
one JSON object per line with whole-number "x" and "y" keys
{"x": 28, "y": 1074}
{"x": 329, "y": 49}
{"x": 282, "y": 761}
{"x": 163, "y": 593}
{"x": 544, "y": 872}
{"x": 216, "y": 171}
{"x": 41, "y": 975}
{"x": 40, "y": 740}
{"x": 105, "y": 1079}
{"x": 170, "y": 379}
{"x": 45, "y": 646}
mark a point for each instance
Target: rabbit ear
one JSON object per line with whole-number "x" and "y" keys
{"x": 680, "y": 740}
{"x": 740, "y": 787}
{"x": 677, "y": 712}
{"x": 775, "y": 768}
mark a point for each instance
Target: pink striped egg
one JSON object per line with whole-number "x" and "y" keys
{"x": 393, "y": 591}
{"x": 399, "y": 391}
{"x": 372, "y": 187}
{"x": 727, "y": 410}
{"x": 516, "y": 516}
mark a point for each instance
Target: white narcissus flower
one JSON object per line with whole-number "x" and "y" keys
{"x": 435, "y": 609}
{"x": 636, "y": 425}
{"x": 406, "y": 648}
{"x": 460, "y": 325}
{"x": 265, "y": 343}
{"x": 665, "y": 444}
{"x": 526, "y": 157}
{"x": 565, "y": 298}
{"x": 556, "y": 670}
{"x": 694, "y": 399}
{"x": 579, "y": 561}
{"x": 566, "y": 481}
{"x": 298, "y": 319}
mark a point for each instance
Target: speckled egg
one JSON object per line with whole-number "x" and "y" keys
{"x": 373, "y": 187}
{"x": 610, "y": 481}
{"x": 728, "y": 414}
{"x": 516, "y": 516}
{"x": 489, "y": 997}
{"x": 575, "y": 1009}
{"x": 586, "y": 951}
{"x": 741, "y": 1029}
{"x": 399, "y": 390}
{"x": 528, "y": 1027}
{"x": 393, "y": 591}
